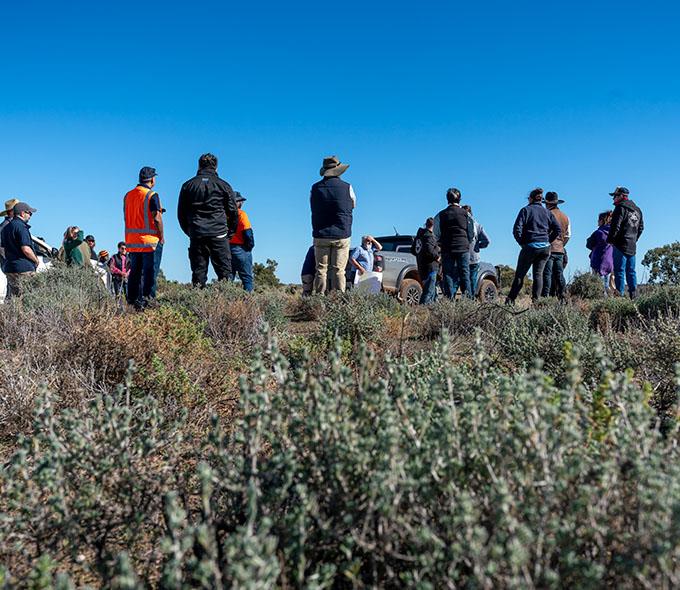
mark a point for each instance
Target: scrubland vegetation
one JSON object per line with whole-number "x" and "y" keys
{"x": 223, "y": 440}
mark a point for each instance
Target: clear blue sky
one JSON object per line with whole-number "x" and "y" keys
{"x": 493, "y": 98}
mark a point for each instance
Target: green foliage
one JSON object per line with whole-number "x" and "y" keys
{"x": 265, "y": 275}
{"x": 613, "y": 313}
{"x": 660, "y": 301}
{"x": 586, "y": 286}
{"x": 64, "y": 287}
{"x": 89, "y": 481}
{"x": 508, "y": 275}
{"x": 357, "y": 316}
{"x": 664, "y": 264}
{"x": 543, "y": 333}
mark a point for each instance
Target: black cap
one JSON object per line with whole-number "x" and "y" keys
{"x": 20, "y": 207}
{"x": 90, "y": 238}
{"x": 147, "y": 173}
{"x": 620, "y": 190}
{"x": 238, "y": 196}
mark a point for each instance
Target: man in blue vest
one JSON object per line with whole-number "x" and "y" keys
{"x": 332, "y": 201}
{"x": 454, "y": 229}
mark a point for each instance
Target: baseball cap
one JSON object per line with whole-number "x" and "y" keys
{"x": 147, "y": 173}
{"x": 19, "y": 207}
{"x": 620, "y": 190}
{"x": 90, "y": 238}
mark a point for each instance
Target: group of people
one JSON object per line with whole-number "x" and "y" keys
{"x": 448, "y": 247}
{"x": 210, "y": 213}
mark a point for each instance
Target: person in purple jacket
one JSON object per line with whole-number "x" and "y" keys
{"x": 601, "y": 260}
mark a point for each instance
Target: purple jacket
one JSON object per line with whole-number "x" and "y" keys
{"x": 601, "y": 255}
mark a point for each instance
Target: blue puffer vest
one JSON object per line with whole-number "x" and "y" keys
{"x": 331, "y": 209}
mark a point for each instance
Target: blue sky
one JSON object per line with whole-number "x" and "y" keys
{"x": 492, "y": 98}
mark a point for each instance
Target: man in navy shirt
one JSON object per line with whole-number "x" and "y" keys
{"x": 20, "y": 258}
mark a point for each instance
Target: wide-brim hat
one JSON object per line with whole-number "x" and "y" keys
{"x": 332, "y": 167}
{"x": 551, "y": 198}
{"x": 9, "y": 206}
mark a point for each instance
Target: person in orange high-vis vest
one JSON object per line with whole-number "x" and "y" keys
{"x": 242, "y": 245}
{"x": 143, "y": 233}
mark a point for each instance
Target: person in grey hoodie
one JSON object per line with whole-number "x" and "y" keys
{"x": 479, "y": 240}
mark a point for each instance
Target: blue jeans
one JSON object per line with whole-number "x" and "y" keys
{"x": 624, "y": 267}
{"x": 157, "y": 255}
{"x": 429, "y": 293}
{"x": 474, "y": 269}
{"x": 456, "y": 269}
{"x": 140, "y": 280}
{"x": 554, "y": 273}
{"x": 242, "y": 263}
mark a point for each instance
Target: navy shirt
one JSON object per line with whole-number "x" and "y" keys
{"x": 15, "y": 235}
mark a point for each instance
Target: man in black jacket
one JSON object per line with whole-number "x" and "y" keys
{"x": 454, "y": 229}
{"x": 425, "y": 250}
{"x": 625, "y": 229}
{"x": 535, "y": 229}
{"x": 208, "y": 214}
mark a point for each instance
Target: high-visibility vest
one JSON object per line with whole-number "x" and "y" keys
{"x": 140, "y": 231}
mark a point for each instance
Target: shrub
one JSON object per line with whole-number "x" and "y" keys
{"x": 359, "y": 317}
{"x": 63, "y": 287}
{"x": 543, "y": 333}
{"x": 614, "y": 313}
{"x": 660, "y": 301}
{"x": 586, "y": 286}
{"x": 88, "y": 482}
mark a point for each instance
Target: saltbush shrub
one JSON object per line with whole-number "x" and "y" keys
{"x": 64, "y": 287}
{"x": 613, "y": 313}
{"x": 359, "y": 317}
{"x": 586, "y": 286}
{"x": 437, "y": 476}
{"x": 659, "y": 301}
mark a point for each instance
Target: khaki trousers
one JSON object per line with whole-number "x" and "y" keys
{"x": 331, "y": 259}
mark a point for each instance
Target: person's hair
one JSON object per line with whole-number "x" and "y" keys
{"x": 69, "y": 231}
{"x": 536, "y": 194}
{"x": 429, "y": 222}
{"x": 453, "y": 195}
{"x": 207, "y": 161}
{"x": 467, "y": 208}
{"x": 605, "y": 217}
{"x": 120, "y": 244}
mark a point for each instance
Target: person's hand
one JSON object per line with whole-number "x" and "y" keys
{"x": 162, "y": 241}
{"x": 361, "y": 270}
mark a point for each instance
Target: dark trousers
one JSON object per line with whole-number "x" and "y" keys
{"x": 474, "y": 271}
{"x": 209, "y": 248}
{"x": 140, "y": 280}
{"x": 157, "y": 256}
{"x": 456, "y": 270}
{"x": 530, "y": 257}
{"x": 429, "y": 293}
{"x": 553, "y": 276}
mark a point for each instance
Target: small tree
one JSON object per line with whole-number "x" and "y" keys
{"x": 664, "y": 264}
{"x": 265, "y": 276}
{"x": 508, "y": 275}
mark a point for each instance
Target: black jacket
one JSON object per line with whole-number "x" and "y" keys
{"x": 456, "y": 229}
{"x": 207, "y": 207}
{"x": 535, "y": 223}
{"x": 425, "y": 250}
{"x": 626, "y": 227}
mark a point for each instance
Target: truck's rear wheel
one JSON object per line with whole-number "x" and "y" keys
{"x": 488, "y": 292}
{"x": 410, "y": 292}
